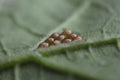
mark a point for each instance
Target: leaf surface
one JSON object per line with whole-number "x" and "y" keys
{"x": 23, "y": 23}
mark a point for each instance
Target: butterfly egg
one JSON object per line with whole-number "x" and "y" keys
{"x": 66, "y": 32}
{"x": 55, "y": 35}
{"x": 56, "y": 42}
{"x": 78, "y": 38}
{"x": 72, "y": 36}
{"x": 66, "y": 40}
{"x": 57, "y": 38}
{"x": 44, "y": 44}
{"x": 50, "y": 41}
{"x": 61, "y": 37}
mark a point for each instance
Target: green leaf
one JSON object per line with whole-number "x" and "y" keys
{"x": 26, "y": 23}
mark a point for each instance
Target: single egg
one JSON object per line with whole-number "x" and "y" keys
{"x": 66, "y": 41}
{"x": 55, "y": 35}
{"x": 66, "y": 32}
{"x": 61, "y": 37}
{"x": 56, "y": 42}
{"x": 44, "y": 44}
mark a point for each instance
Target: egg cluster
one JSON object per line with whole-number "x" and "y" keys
{"x": 58, "y": 38}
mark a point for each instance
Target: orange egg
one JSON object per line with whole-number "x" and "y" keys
{"x": 50, "y": 41}
{"x": 61, "y": 37}
{"x": 55, "y": 35}
{"x": 44, "y": 44}
{"x": 56, "y": 42}
{"x": 78, "y": 38}
{"x": 66, "y": 41}
{"x": 72, "y": 36}
{"x": 66, "y": 36}
{"x": 66, "y": 32}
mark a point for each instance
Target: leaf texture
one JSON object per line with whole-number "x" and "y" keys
{"x": 23, "y": 23}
